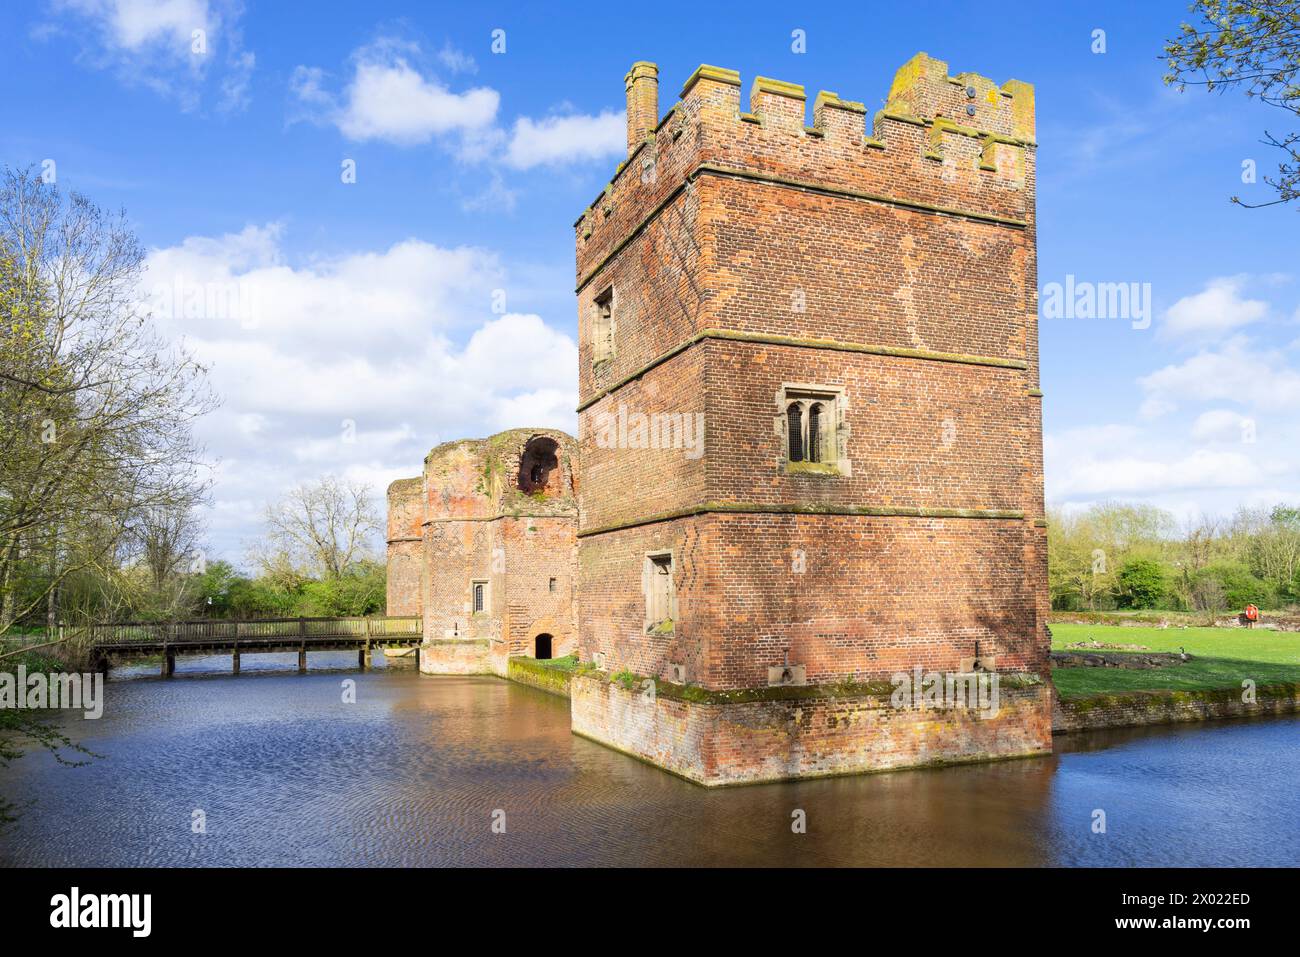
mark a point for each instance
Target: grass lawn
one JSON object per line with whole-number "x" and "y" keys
{"x": 1224, "y": 657}
{"x": 567, "y": 663}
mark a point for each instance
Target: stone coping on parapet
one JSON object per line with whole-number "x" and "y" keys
{"x": 824, "y": 189}
{"x": 832, "y": 345}
{"x": 808, "y": 509}
{"x": 917, "y": 72}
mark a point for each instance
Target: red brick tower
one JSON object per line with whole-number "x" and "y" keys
{"x": 811, "y": 428}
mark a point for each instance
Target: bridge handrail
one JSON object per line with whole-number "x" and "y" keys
{"x": 159, "y": 632}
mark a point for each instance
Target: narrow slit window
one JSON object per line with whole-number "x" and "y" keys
{"x": 480, "y": 597}
{"x": 602, "y": 327}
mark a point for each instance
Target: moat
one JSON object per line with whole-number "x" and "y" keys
{"x": 286, "y": 773}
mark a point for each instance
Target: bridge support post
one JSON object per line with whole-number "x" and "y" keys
{"x": 169, "y": 664}
{"x": 363, "y": 657}
{"x": 302, "y": 661}
{"x": 234, "y": 661}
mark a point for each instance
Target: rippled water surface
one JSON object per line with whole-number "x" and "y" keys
{"x": 286, "y": 773}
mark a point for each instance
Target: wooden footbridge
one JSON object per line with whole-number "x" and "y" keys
{"x": 236, "y": 638}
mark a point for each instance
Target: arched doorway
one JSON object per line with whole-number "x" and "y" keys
{"x": 542, "y": 646}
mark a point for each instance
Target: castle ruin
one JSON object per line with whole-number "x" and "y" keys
{"x": 810, "y": 442}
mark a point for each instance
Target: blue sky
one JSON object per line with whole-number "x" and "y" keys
{"x": 432, "y": 297}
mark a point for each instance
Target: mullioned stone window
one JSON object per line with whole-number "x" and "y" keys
{"x": 479, "y": 597}
{"x": 813, "y": 429}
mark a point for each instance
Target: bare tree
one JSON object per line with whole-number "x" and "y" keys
{"x": 322, "y": 528}
{"x": 161, "y": 547}
{"x": 96, "y": 410}
{"x": 1252, "y": 46}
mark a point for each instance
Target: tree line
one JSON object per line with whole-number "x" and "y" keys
{"x": 102, "y": 480}
{"x": 1116, "y": 556}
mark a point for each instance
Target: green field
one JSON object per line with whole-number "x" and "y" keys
{"x": 1224, "y": 657}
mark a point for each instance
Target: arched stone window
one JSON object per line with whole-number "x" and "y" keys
{"x": 814, "y": 443}
{"x": 812, "y": 425}
{"x": 794, "y": 429}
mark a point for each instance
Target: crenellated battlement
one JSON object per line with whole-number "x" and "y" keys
{"x": 954, "y": 145}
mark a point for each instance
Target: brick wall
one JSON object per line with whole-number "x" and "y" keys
{"x": 443, "y": 657}
{"x": 405, "y": 513}
{"x": 755, "y": 741}
{"x": 896, "y": 264}
{"x": 1137, "y": 708}
{"x": 891, "y": 262}
{"x": 478, "y": 519}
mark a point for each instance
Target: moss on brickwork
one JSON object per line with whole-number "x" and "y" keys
{"x": 840, "y": 689}
{"x": 812, "y": 468}
{"x": 550, "y": 676}
{"x": 1136, "y": 708}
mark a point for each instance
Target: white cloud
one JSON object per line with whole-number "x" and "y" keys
{"x": 391, "y": 100}
{"x": 1222, "y": 425}
{"x": 168, "y": 46}
{"x": 1229, "y": 437}
{"x": 1240, "y": 371}
{"x": 496, "y": 197}
{"x": 234, "y": 85}
{"x": 1215, "y": 311}
{"x": 566, "y": 139}
{"x": 133, "y": 24}
{"x": 391, "y": 97}
{"x": 1136, "y": 467}
{"x": 355, "y": 364}
{"x": 307, "y": 84}
{"x": 457, "y": 61}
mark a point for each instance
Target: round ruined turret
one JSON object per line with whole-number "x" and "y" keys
{"x": 493, "y": 556}
{"x": 512, "y": 472}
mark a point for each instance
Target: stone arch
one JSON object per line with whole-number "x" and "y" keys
{"x": 543, "y": 646}
{"x": 539, "y": 464}
{"x": 563, "y": 640}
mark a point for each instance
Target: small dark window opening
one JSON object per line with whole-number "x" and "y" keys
{"x": 542, "y": 647}
{"x": 479, "y": 590}
{"x": 555, "y": 583}
{"x": 794, "y": 427}
{"x": 540, "y": 458}
{"x": 814, "y": 432}
{"x": 602, "y": 332}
